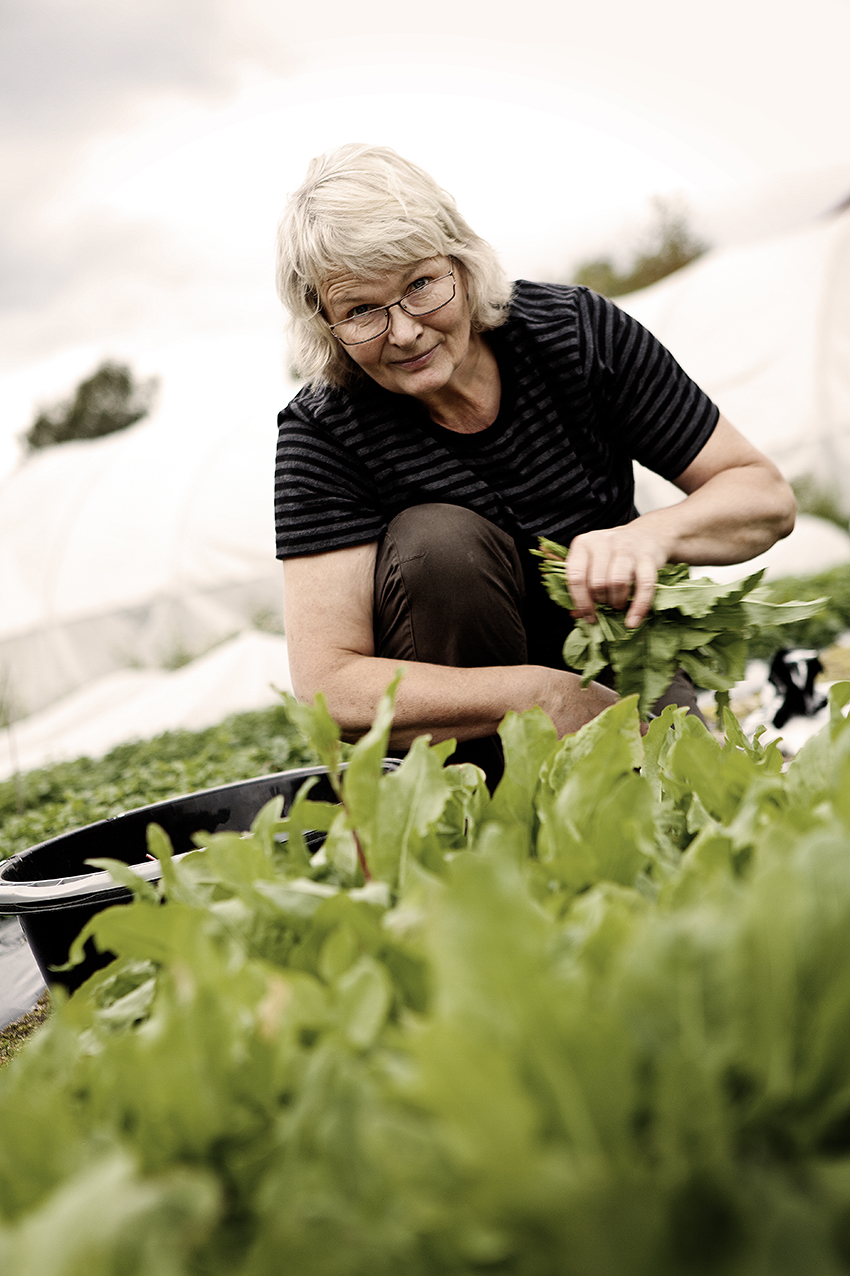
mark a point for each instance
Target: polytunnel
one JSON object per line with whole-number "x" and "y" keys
{"x": 145, "y": 547}
{"x": 764, "y": 328}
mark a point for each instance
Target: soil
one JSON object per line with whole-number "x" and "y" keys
{"x": 14, "y": 1036}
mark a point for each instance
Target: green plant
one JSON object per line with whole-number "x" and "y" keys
{"x": 108, "y": 400}
{"x": 814, "y": 497}
{"x": 817, "y": 632}
{"x": 670, "y": 245}
{"x": 268, "y": 620}
{"x": 595, "y": 1023}
{"x": 703, "y": 627}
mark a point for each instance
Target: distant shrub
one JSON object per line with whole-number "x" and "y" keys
{"x": 107, "y": 401}
{"x": 820, "y": 500}
{"x": 670, "y": 245}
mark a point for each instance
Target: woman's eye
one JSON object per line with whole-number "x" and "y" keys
{"x": 359, "y": 310}
{"x": 420, "y": 283}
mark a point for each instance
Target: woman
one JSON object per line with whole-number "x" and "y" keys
{"x": 448, "y": 421}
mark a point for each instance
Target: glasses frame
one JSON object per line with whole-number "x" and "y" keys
{"x": 414, "y": 314}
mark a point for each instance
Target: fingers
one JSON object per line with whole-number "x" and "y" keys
{"x": 577, "y": 570}
{"x": 646, "y": 578}
{"x": 605, "y": 568}
{"x": 598, "y": 570}
{"x": 615, "y": 585}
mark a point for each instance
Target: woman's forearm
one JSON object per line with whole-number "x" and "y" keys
{"x": 450, "y": 703}
{"x": 729, "y": 519}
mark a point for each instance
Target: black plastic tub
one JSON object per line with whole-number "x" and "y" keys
{"x": 54, "y": 892}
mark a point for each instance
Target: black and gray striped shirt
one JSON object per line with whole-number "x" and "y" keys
{"x": 584, "y": 390}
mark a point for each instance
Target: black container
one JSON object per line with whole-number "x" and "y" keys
{"x": 54, "y": 892}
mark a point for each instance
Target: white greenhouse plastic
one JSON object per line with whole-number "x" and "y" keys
{"x": 764, "y": 328}
{"x": 148, "y": 545}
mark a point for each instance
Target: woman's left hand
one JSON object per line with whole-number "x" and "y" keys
{"x": 737, "y": 505}
{"x": 615, "y": 566}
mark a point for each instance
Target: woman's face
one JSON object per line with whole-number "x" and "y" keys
{"x": 418, "y": 354}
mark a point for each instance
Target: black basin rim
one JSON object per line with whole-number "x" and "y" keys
{"x": 113, "y": 892}
{"x": 136, "y": 813}
{"x": 144, "y": 816}
{"x": 103, "y": 899}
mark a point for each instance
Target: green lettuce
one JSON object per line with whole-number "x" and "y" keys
{"x": 595, "y": 1023}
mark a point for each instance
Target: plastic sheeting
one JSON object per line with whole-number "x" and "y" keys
{"x": 143, "y": 545}
{"x": 764, "y": 328}
{"x": 135, "y": 704}
{"x": 21, "y": 982}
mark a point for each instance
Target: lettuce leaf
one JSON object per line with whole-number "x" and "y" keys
{"x": 697, "y": 625}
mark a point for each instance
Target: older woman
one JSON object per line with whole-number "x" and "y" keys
{"x": 451, "y": 418}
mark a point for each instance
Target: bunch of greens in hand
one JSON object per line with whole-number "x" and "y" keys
{"x": 697, "y": 625}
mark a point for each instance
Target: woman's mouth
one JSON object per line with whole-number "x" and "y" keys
{"x": 418, "y": 361}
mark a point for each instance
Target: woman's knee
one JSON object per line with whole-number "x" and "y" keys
{"x": 449, "y": 585}
{"x": 454, "y": 541}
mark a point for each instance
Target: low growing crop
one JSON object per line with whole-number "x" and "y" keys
{"x": 68, "y": 795}
{"x": 822, "y": 629}
{"x": 596, "y": 1023}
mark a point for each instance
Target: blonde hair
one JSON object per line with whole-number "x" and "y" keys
{"x": 365, "y": 210}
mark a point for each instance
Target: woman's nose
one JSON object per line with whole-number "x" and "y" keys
{"x": 404, "y": 328}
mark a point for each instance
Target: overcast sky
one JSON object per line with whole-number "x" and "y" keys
{"x": 147, "y": 145}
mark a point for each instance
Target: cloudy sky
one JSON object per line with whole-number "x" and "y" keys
{"x": 147, "y": 145}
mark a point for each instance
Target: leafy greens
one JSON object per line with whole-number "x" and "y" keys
{"x": 697, "y": 625}
{"x": 595, "y": 1023}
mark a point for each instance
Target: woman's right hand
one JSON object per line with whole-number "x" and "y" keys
{"x": 616, "y": 567}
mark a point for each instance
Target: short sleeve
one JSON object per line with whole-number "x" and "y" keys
{"x": 659, "y": 413}
{"x": 324, "y": 498}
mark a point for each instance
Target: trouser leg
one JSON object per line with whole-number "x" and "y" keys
{"x": 681, "y": 692}
{"x": 449, "y": 590}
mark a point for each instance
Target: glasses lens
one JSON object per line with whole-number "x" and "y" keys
{"x": 362, "y": 327}
{"x": 422, "y": 299}
{"x": 429, "y": 296}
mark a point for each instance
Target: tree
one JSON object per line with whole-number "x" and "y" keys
{"x": 109, "y": 400}
{"x": 670, "y": 245}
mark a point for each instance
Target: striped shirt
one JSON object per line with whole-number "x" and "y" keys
{"x": 585, "y": 389}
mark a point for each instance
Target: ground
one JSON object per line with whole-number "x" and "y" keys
{"x": 14, "y": 1036}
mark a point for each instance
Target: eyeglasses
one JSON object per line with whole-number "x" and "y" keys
{"x": 423, "y": 298}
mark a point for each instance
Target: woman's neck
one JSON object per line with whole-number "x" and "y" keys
{"x": 469, "y": 402}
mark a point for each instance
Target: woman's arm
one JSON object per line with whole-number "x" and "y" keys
{"x": 737, "y": 505}
{"x": 328, "y": 602}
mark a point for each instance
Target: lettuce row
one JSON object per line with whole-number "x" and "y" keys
{"x": 595, "y": 1023}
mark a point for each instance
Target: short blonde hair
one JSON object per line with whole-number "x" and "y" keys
{"x": 365, "y": 210}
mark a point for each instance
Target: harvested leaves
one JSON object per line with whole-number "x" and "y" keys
{"x": 698, "y": 625}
